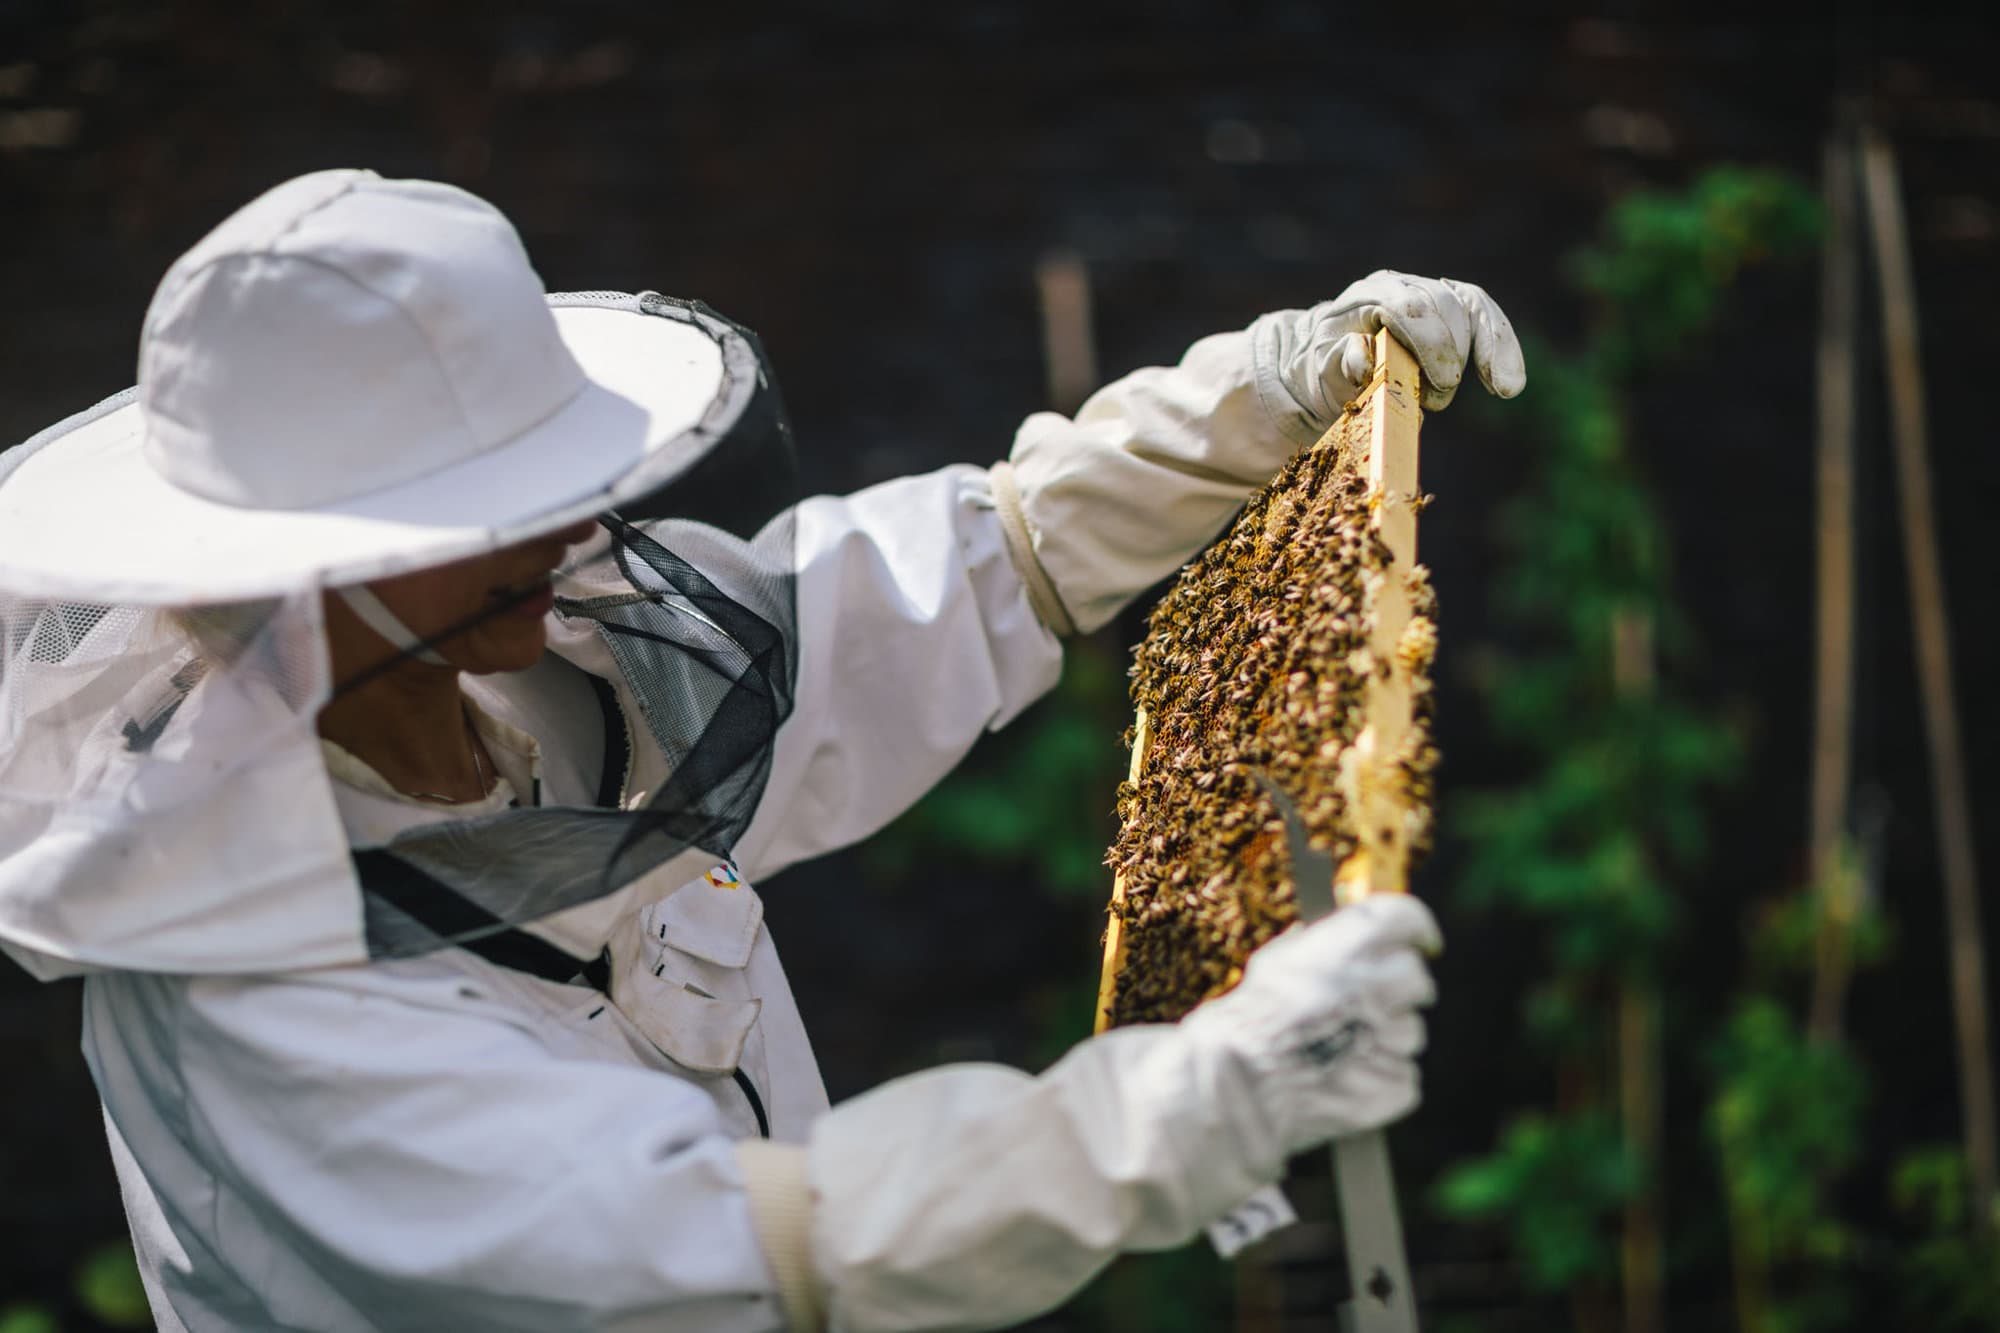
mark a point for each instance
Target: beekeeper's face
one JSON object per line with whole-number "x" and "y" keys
{"x": 505, "y": 594}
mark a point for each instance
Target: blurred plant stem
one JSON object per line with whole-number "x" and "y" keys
{"x": 1619, "y": 764}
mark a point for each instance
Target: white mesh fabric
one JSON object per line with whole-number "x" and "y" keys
{"x": 164, "y": 804}
{"x": 87, "y": 693}
{"x": 126, "y": 735}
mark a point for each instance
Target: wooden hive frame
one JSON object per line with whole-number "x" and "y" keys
{"x": 1364, "y": 780}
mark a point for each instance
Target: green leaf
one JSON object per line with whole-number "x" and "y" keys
{"x": 108, "y": 1286}
{"x": 28, "y": 1319}
{"x": 1554, "y": 1183}
{"x": 1786, "y": 1117}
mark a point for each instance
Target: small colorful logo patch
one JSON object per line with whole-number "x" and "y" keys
{"x": 724, "y": 876}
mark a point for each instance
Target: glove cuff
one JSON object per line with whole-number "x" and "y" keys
{"x": 1287, "y": 384}
{"x": 1238, "y": 1073}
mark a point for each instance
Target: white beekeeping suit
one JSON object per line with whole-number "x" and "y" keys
{"x": 370, "y": 1060}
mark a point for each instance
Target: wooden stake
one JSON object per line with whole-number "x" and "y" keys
{"x": 1639, "y": 1063}
{"x": 1932, "y": 632}
{"x": 1833, "y": 677}
{"x": 1069, "y": 344}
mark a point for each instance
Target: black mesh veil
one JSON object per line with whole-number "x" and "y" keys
{"x": 692, "y": 595}
{"x": 670, "y": 672}
{"x": 708, "y": 669}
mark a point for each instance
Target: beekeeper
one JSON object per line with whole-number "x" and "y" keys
{"x": 405, "y": 684}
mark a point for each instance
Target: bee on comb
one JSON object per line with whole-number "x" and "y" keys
{"x": 1297, "y": 647}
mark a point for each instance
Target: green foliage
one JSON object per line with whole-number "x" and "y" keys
{"x": 28, "y": 1319}
{"x": 1554, "y": 1183}
{"x": 1620, "y": 765}
{"x": 1787, "y": 1122}
{"x": 1951, "y": 1275}
{"x": 105, "y": 1286}
{"x": 1588, "y": 543}
{"x": 1667, "y": 259}
{"x": 1789, "y": 931}
{"x": 108, "y": 1287}
{"x": 1786, "y": 1113}
{"x": 1930, "y": 1187}
{"x": 1187, "y": 1290}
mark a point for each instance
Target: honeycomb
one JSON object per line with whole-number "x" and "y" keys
{"x": 1259, "y": 658}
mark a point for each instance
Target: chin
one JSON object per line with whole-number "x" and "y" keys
{"x": 496, "y": 654}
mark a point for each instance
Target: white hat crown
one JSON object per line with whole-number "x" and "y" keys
{"x": 342, "y": 334}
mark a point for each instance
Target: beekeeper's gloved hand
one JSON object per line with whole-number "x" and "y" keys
{"x": 1101, "y": 506}
{"x": 1324, "y": 355}
{"x": 974, "y": 1197}
{"x": 1325, "y": 1024}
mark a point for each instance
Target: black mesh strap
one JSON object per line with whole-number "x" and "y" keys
{"x": 406, "y": 889}
{"x": 521, "y": 952}
{"x": 432, "y": 903}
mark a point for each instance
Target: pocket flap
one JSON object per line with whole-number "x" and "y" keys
{"x": 714, "y": 917}
{"x": 696, "y": 1031}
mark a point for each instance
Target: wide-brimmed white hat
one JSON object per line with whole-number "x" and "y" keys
{"x": 350, "y": 378}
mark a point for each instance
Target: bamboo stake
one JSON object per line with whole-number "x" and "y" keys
{"x": 1068, "y": 343}
{"x": 1833, "y": 677}
{"x": 1639, "y": 1063}
{"x": 1932, "y": 632}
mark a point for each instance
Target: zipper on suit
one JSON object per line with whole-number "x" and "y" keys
{"x": 756, "y": 1102}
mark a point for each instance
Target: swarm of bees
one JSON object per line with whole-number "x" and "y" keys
{"x": 1259, "y": 659}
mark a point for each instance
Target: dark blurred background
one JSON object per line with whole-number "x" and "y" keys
{"x": 874, "y": 187}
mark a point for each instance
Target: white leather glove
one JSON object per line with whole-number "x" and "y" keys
{"x": 1100, "y": 507}
{"x": 974, "y": 1197}
{"x": 1325, "y": 1022}
{"x": 1324, "y": 355}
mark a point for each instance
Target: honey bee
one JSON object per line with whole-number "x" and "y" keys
{"x": 1259, "y": 658}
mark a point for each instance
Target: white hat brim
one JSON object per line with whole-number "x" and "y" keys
{"x": 87, "y": 517}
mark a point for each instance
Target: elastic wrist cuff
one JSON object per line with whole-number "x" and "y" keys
{"x": 1042, "y": 594}
{"x": 781, "y": 1208}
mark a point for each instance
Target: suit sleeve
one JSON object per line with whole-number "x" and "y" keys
{"x": 925, "y": 605}
{"x": 916, "y": 636}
